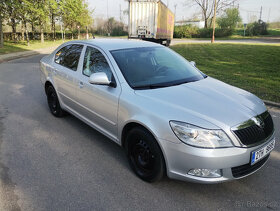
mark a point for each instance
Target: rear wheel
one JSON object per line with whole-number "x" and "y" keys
{"x": 53, "y": 102}
{"x": 144, "y": 155}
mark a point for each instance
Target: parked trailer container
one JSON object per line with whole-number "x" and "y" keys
{"x": 150, "y": 20}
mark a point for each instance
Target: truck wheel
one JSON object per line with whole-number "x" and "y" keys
{"x": 168, "y": 43}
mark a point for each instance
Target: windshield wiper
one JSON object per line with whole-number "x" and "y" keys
{"x": 151, "y": 86}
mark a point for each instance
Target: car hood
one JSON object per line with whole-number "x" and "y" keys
{"x": 208, "y": 99}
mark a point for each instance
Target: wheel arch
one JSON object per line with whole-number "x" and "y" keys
{"x": 47, "y": 84}
{"x": 129, "y": 126}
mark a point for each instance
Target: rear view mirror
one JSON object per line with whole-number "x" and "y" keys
{"x": 101, "y": 79}
{"x": 193, "y": 63}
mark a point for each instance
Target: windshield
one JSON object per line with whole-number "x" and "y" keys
{"x": 154, "y": 67}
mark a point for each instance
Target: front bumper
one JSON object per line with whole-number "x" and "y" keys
{"x": 180, "y": 158}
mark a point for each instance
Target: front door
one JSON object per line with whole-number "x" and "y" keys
{"x": 99, "y": 103}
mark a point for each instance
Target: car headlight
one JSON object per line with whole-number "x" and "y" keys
{"x": 200, "y": 137}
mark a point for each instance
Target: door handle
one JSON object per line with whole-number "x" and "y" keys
{"x": 81, "y": 84}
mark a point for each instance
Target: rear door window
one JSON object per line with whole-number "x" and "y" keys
{"x": 69, "y": 56}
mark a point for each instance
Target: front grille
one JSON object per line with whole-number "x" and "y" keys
{"x": 240, "y": 171}
{"x": 254, "y": 133}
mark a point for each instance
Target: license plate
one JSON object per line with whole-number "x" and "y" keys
{"x": 262, "y": 152}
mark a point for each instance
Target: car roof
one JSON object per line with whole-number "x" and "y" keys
{"x": 116, "y": 44}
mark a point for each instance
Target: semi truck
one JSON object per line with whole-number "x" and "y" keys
{"x": 150, "y": 20}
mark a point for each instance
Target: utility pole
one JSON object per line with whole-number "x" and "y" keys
{"x": 261, "y": 13}
{"x": 107, "y": 10}
{"x": 120, "y": 13}
{"x": 108, "y": 21}
{"x": 268, "y": 15}
{"x": 214, "y": 22}
{"x": 175, "y": 6}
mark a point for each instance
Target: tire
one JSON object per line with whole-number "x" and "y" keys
{"x": 53, "y": 103}
{"x": 144, "y": 155}
{"x": 168, "y": 43}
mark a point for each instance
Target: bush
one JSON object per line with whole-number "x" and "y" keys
{"x": 118, "y": 31}
{"x": 207, "y": 33}
{"x": 257, "y": 28}
{"x": 186, "y": 31}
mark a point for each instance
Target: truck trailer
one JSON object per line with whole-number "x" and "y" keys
{"x": 150, "y": 20}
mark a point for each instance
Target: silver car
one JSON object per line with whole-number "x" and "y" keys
{"x": 168, "y": 116}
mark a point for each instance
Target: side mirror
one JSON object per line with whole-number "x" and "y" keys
{"x": 193, "y": 63}
{"x": 101, "y": 79}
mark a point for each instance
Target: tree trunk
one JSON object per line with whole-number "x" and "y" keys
{"x": 79, "y": 33}
{"x": 54, "y": 32}
{"x": 87, "y": 33}
{"x": 33, "y": 31}
{"x": 214, "y": 22}
{"x": 53, "y": 26}
{"x": 26, "y": 32}
{"x": 1, "y": 34}
{"x": 22, "y": 31}
{"x": 42, "y": 33}
{"x": 14, "y": 30}
{"x": 72, "y": 35}
{"x": 204, "y": 13}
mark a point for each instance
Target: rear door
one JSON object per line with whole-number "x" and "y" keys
{"x": 65, "y": 73}
{"x": 98, "y": 103}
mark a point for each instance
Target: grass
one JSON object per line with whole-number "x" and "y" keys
{"x": 253, "y": 67}
{"x": 274, "y": 32}
{"x": 10, "y": 47}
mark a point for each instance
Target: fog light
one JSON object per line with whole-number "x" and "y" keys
{"x": 206, "y": 172}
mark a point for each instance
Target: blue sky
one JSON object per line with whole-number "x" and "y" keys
{"x": 248, "y": 8}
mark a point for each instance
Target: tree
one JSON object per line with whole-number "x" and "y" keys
{"x": 71, "y": 11}
{"x": 85, "y": 19}
{"x": 229, "y": 19}
{"x": 54, "y": 11}
{"x": 3, "y": 9}
{"x": 12, "y": 7}
{"x": 25, "y": 14}
{"x": 110, "y": 24}
{"x": 40, "y": 10}
{"x": 207, "y": 7}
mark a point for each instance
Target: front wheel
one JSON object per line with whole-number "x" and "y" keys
{"x": 144, "y": 155}
{"x": 53, "y": 102}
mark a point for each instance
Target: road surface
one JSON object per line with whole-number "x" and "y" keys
{"x": 48, "y": 163}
